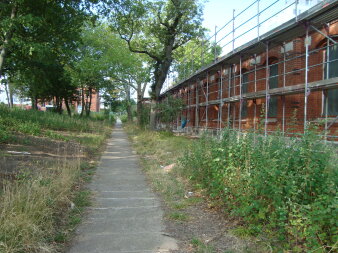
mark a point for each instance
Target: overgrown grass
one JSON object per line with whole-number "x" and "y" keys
{"x": 39, "y": 210}
{"x": 48, "y": 124}
{"x": 201, "y": 247}
{"x": 30, "y": 207}
{"x": 157, "y": 150}
{"x": 286, "y": 188}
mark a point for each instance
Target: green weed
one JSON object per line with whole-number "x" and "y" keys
{"x": 178, "y": 216}
{"x": 201, "y": 247}
{"x": 286, "y": 187}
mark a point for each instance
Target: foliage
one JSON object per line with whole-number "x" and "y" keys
{"x": 157, "y": 29}
{"x": 169, "y": 109}
{"x": 192, "y": 56}
{"x": 286, "y": 187}
{"x": 37, "y": 39}
{"x": 13, "y": 120}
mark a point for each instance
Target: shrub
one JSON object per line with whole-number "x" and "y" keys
{"x": 285, "y": 186}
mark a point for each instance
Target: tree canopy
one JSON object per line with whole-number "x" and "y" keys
{"x": 157, "y": 29}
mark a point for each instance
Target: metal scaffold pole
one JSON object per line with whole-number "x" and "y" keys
{"x": 215, "y": 48}
{"x": 188, "y": 116}
{"x": 255, "y": 88}
{"x": 284, "y": 81}
{"x": 266, "y": 89}
{"x": 207, "y": 102}
{"x": 220, "y": 100}
{"x": 197, "y": 105}
{"x": 258, "y": 24}
{"x": 233, "y": 30}
{"x": 229, "y": 90}
{"x": 240, "y": 94}
{"x": 306, "y": 92}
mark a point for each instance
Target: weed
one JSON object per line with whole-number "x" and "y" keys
{"x": 286, "y": 187}
{"x": 201, "y": 247}
{"x": 178, "y": 216}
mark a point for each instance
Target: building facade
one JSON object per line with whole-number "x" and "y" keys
{"x": 286, "y": 80}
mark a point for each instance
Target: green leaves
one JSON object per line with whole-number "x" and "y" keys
{"x": 284, "y": 185}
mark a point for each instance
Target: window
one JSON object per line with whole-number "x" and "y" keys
{"x": 245, "y": 83}
{"x": 273, "y": 83}
{"x": 332, "y": 95}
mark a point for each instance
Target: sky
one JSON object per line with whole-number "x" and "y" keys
{"x": 220, "y": 12}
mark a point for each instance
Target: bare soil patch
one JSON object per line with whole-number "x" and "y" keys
{"x": 32, "y": 154}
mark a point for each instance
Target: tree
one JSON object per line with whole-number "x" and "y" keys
{"x": 194, "y": 55}
{"x": 30, "y": 25}
{"x": 38, "y": 39}
{"x": 157, "y": 29}
{"x": 169, "y": 109}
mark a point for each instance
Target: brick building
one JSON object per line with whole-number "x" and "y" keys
{"x": 286, "y": 80}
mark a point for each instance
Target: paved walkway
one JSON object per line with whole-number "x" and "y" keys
{"x": 126, "y": 216}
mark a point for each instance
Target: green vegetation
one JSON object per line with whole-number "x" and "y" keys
{"x": 90, "y": 132}
{"x": 40, "y": 207}
{"x": 201, "y": 247}
{"x": 178, "y": 216}
{"x": 285, "y": 188}
{"x": 29, "y": 208}
{"x": 158, "y": 149}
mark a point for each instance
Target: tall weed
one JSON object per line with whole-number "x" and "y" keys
{"x": 287, "y": 187}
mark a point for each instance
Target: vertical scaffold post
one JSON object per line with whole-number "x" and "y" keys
{"x": 240, "y": 95}
{"x": 202, "y": 51}
{"x": 197, "y": 105}
{"x": 284, "y": 81}
{"x": 255, "y": 87}
{"x": 229, "y": 90}
{"x": 233, "y": 30}
{"x": 258, "y": 24}
{"x": 306, "y": 90}
{"x": 326, "y": 106}
{"x": 220, "y": 110}
{"x": 296, "y": 9}
{"x": 266, "y": 89}
{"x": 188, "y": 116}
{"x": 207, "y": 103}
{"x": 215, "y": 48}
{"x": 184, "y": 68}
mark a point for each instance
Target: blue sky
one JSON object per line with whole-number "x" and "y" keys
{"x": 219, "y": 12}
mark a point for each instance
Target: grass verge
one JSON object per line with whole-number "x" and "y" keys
{"x": 39, "y": 208}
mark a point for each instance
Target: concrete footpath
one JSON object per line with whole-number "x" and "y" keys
{"x": 126, "y": 216}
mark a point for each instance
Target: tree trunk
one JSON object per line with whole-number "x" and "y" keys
{"x": 8, "y": 37}
{"x": 153, "y": 114}
{"x": 68, "y": 108}
{"x": 34, "y": 103}
{"x": 89, "y": 104}
{"x": 82, "y": 101}
{"x": 128, "y": 101}
{"x": 139, "y": 109}
{"x": 7, "y": 95}
{"x": 11, "y": 99}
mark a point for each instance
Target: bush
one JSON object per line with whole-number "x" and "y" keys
{"x": 124, "y": 118}
{"x": 287, "y": 187}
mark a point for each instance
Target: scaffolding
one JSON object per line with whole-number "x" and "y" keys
{"x": 276, "y": 68}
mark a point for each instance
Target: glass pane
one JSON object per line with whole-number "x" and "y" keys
{"x": 273, "y": 80}
{"x": 245, "y": 83}
{"x": 272, "y": 112}
{"x": 332, "y": 97}
{"x": 244, "y": 109}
